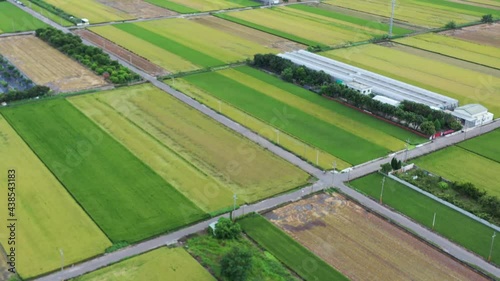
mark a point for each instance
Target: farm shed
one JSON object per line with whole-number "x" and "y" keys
{"x": 381, "y": 85}
{"x": 473, "y": 115}
{"x": 387, "y": 100}
{"x": 360, "y": 87}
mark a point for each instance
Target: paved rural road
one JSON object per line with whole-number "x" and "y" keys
{"x": 325, "y": 180}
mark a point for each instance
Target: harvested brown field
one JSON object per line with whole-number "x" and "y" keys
{"x": 47, "y": 66}
{"x": 251, "y": 34}
{"x": 486, "y": 34}
{"x": 363, "y": 246}
{"x": 122, "y": 53}
{"x": 138, "y": 8}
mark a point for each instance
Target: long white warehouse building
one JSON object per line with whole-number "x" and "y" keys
{"x": 379, "y": 84}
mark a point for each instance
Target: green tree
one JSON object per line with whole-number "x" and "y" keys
{"x": 227, "y": 229}
{"x": 386, "y": 168}
{"x": 287, "y": 74}
{"x": 437, "y": 125}
{"x": 428, "y": 128}
{"x": 487, "y": 18}
{"x": 451, "y": 25}
{"x": 394, "y": 163}
{"x": 236, "y": 264}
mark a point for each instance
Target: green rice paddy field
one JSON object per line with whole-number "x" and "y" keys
{"x": 466, "y": 85}
{"x": 126, "y": 198}
{"x": 193, "y": 6}
{"x": 348, "y": 135}
{"x": 426, "y": 13}
{"x": 181, "y": 44}
{"x": 157, "y": 265}
{"x": 310, "y": 25}
{"x": 449, "y": 223}
{"x": 13, "y": 19}
{"x": 49, "y": 218}
{"x": 485, "y": 145}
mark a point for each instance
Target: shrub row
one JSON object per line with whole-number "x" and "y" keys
{"x": 53, "y": 9}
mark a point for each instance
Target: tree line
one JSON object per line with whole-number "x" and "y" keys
{"x": 413, "y": 115}
{"x": 92, "y": 57}
{"x": 36, "y": 91}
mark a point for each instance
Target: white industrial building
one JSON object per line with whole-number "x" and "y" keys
{"x": 387, "y": 100}
{"x": 472, "y": 115}
{"x": 378, "y": 84}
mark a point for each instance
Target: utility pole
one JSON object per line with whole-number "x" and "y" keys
{"x": 382, "y": 191}
{"x": 392, "y": 18}
{"x": 407, "y": 146}
{"x": 62, "y": 259}
{"x": 234, "y": 202}
{"x": 491, "y": 248}
{"x": 277, "y": 135}
{"x": 434, "y": 221}
{"x": 333, "y": 171}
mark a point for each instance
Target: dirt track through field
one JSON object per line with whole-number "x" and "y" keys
{"x": 47, "y": 66}
{"x": 486, "y": 34}
{"x": 363, "y": 246}
{"x": 122, "y": 53}
{"x": 138, "y": 8}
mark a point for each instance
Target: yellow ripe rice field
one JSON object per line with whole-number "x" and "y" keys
{"x": 466, "y": 85}
{"x": 49, "y": 219}
{"x": 252, "y": 172}
{"x": 205, "y": 191}
{"x": 454, "y": 47}
{"x": 92, "y": 10}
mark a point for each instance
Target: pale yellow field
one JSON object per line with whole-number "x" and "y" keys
{"x": 47, "y": 66}
{"x": 205, "y": 191}
{"x": 207, "y": 5}
{"x": 298, "y": 147}
{"x": 252, "y": 172}
{"x": 447, "y": 45}
{"x": 48, "y": 217}
{"x": 153, "y": 53}
{"x": 210, "y": 41}
{"x": 463, "y": 84}
{"x": 92, "y": 10}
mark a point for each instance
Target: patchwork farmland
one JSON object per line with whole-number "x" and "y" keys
{"x": 341, "y": 133}
{"x": 451, "y": 224}
{"x": 92, "y": 10}
{"x": 193, "y": 6}
{"x": 157, "y": 265}
{"x": 47, "y": 66}
{"x": 182, "y": 44}
{"x": 14, "y": 19}
{"x": 51, "y": 219}
{"x": 436, "y": 13}
{"x": 309, "y": 25}
{"x": 444, "y": 75}
{"x": 485, "y": 145}
{"x": 363, "y": 246}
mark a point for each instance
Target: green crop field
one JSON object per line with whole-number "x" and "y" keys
{"x": 13, "y": 19}
{"x": 203, "y": 189}
{"x": 238, "y": 163}
{"x": 294, "y": 111}
{"x": 123, "y": 196}
{"x": 309, "y": 25}
{"x": 449, "y": 223}
{"x": 485, "y": 145}
{"x": 287, "y": 250}
{"x": 53, "y": 17}
{"x": 183, "y": 44}
{"x": 427, "y": 13}
{"x": 49, "y": 219}
{"x": 193, "y": 6}
{"x": 457, "y": 164}
{"x": 92, "y": 10}
{"x": 461, "y": 49}
{"x": 468, "y": 86}
{"x": 157, "y": 265}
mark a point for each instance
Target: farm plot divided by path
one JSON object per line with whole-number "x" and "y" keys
{"x": 427, "y": 13}
{"x": 349, "y": 135}
{"x": 193, "y": 6}
{"x": 486, "y": 34}
{"x": 449, "y": 223}
{"x": 485, "y": 145}
{"x": 49, "y": 219}
{"x": 47, "y": 66}
{"x": 457, "y": 164}
{"x": 363, "y": 246}
{"x": 92, "y": 10}
{"x": 182, "y": 44}
{"x": 127, "y": 199}
{"x": 157, "y": 265}
{"x": 13, "y": 19}
{"x": 460, "y": 49}
{"x": 466, "y": 85}
{"x": 308, "y": 26}
{"x": 228, "y": 160}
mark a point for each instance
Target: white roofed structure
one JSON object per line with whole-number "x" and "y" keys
{"x": 381, "y": 85}
{"x": 473, "y": 115}
{"x": 387, "y": 100}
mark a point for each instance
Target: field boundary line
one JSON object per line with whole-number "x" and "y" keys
{"x": 448, "y": 204}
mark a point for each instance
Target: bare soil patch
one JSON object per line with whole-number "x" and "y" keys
{"x": 487, "y": 34}
{"x": 362, "y": 245}
{"x": 47, "y": 66}
{"x": 251, "y": 34}
{"x": 122, "y": 53}
{"x": 138, "y": 8}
